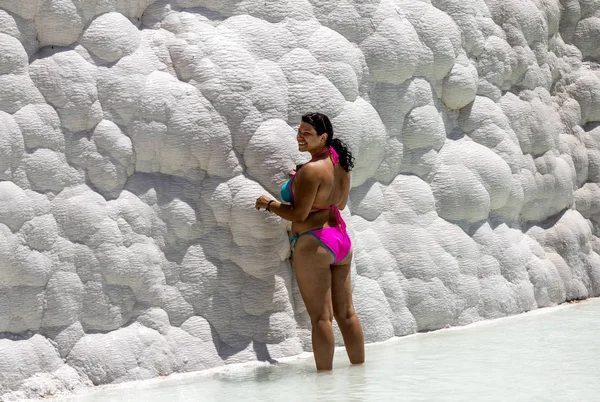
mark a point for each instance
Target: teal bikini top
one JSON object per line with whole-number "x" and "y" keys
{"x": 286, "y": 192}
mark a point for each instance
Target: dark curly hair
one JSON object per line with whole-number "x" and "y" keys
{"x": 322, "y": 125}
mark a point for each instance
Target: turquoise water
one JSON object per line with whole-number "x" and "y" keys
{"x": 548, "y": 355}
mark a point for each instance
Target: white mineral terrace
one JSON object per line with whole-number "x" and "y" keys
{"x": 547, "y": 355}
{"x": 135, "y": 136}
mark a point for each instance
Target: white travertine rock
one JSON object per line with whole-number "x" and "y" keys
{"x": 136, "y": 135}
{"x": 548, "y": 190}
{"x": 584, "y": 87}
{"x": 63, "y": 299}
{"x": 473, "y": 19}
{"x": 198, "y": 327}
{"x": 23, "y": 308}
{"x": 80, "y": 212}
{"x": 341, "y": 62}
{"x": 189, "y": 352}
{"x": 486, "y": 124}
{"x": 368, "y": 144}
{"x": 21, "y": 360}
{"x": 40, "y": 233}
{"x": 137, "y": 267}
{"x": 47, "y": 384}
{"x": 119, "y": 90}
{"x": 68, "y": 83}
{"x": 586, "y": 36}
{"x": 495, "y": 67}
{"x": 182, "y": 115}
{"x": 423, "y": 128}
{"x": 132, "y": 8}
{"x": 573, "y": 254}
{"x": 13, "y": 59}
{"x": 272, "y": 228}
{"x": 308, "y": 91}
{"x": 407, "y": 207}
{"x": 114, "y": 357}
{"x": 587, "y": 201}
{"x": 456, "y": 187}
{"x": 48, "y": 170}
{"x": 504, "y": 290}
{"x": 371, "y": 300}
{"x": 67, "y": 338}
{"x": 110, "y": 37}
{"x": 19, "y": 28}
{"x": 460, "y": 85}
{"x": 352, "y": 19}
{"x": 120, "y": 86}
{"x": 575, "y": 149}
{"x": 525, "y": 23}
{"x": 106, "y": 307}
{"x": 470, "y": 175}
{"x": 394, "y": 50}
{"x": 393, "y": 102}
{"x": 58, "y": 22}
{"x": 438, "y": 32}
{"x": 494, "y": 173}
{"x": 534, "y": 120}
{"x": 367, "y": 200}
{"x": 109, "y": 160}
{"x": 18, "y": 91}
{"x": 40, "y": 127}
{"x": 180, "y": 218}
{"x": 269, "y": 165}
{"x": 11, "y": 144}
{"x": 592, "y": 143}
{"x": 16, "y": 207}
{"x": 24, "y": 9}
{"x": 270, "y": 41}
{"x": 273, "y": 12}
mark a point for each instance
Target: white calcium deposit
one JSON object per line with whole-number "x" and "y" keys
{"x": 135, "y": 136}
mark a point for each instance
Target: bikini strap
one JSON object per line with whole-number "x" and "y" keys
{"x": 338, "y": 215}
{"x": 319, "y": 154}
{"x": 334, "y": 155}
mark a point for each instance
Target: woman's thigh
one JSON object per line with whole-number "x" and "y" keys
{"x": 341, "y": 286}
{"x": 312, "y": 264}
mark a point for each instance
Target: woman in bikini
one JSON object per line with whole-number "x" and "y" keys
{"x": 322, "y": 249}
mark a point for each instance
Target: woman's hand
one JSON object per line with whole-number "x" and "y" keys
{"x": 293, "y": 172}
{"x": 262, "y": 202}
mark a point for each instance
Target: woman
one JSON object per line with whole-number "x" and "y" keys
{"x": 322, "y": 248}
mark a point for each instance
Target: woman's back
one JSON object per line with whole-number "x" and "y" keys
{"x": 333, "y": 189}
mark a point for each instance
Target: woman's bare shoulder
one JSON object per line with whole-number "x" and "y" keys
{"x": 310, "y": 172}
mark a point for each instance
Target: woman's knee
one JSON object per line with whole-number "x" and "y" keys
{"x": 321, "y": 318}
{"x": 345, "y": 314}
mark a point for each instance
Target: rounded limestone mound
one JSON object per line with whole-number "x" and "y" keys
{"x": 13, "y": 59}
{"x": 58, "y": 22}
{"x": 110, "y": 37}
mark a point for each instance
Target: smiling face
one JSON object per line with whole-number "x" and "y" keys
{"x": 308, "y": 140}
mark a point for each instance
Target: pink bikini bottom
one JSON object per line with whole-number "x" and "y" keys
{"x": 335, "y": 239}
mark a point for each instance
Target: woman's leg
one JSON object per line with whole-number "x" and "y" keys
{"x": 312, "y": 267}
{"x": 344, "y": 313}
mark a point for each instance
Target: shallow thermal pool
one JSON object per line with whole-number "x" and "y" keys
{"x": 548, "y": 355}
